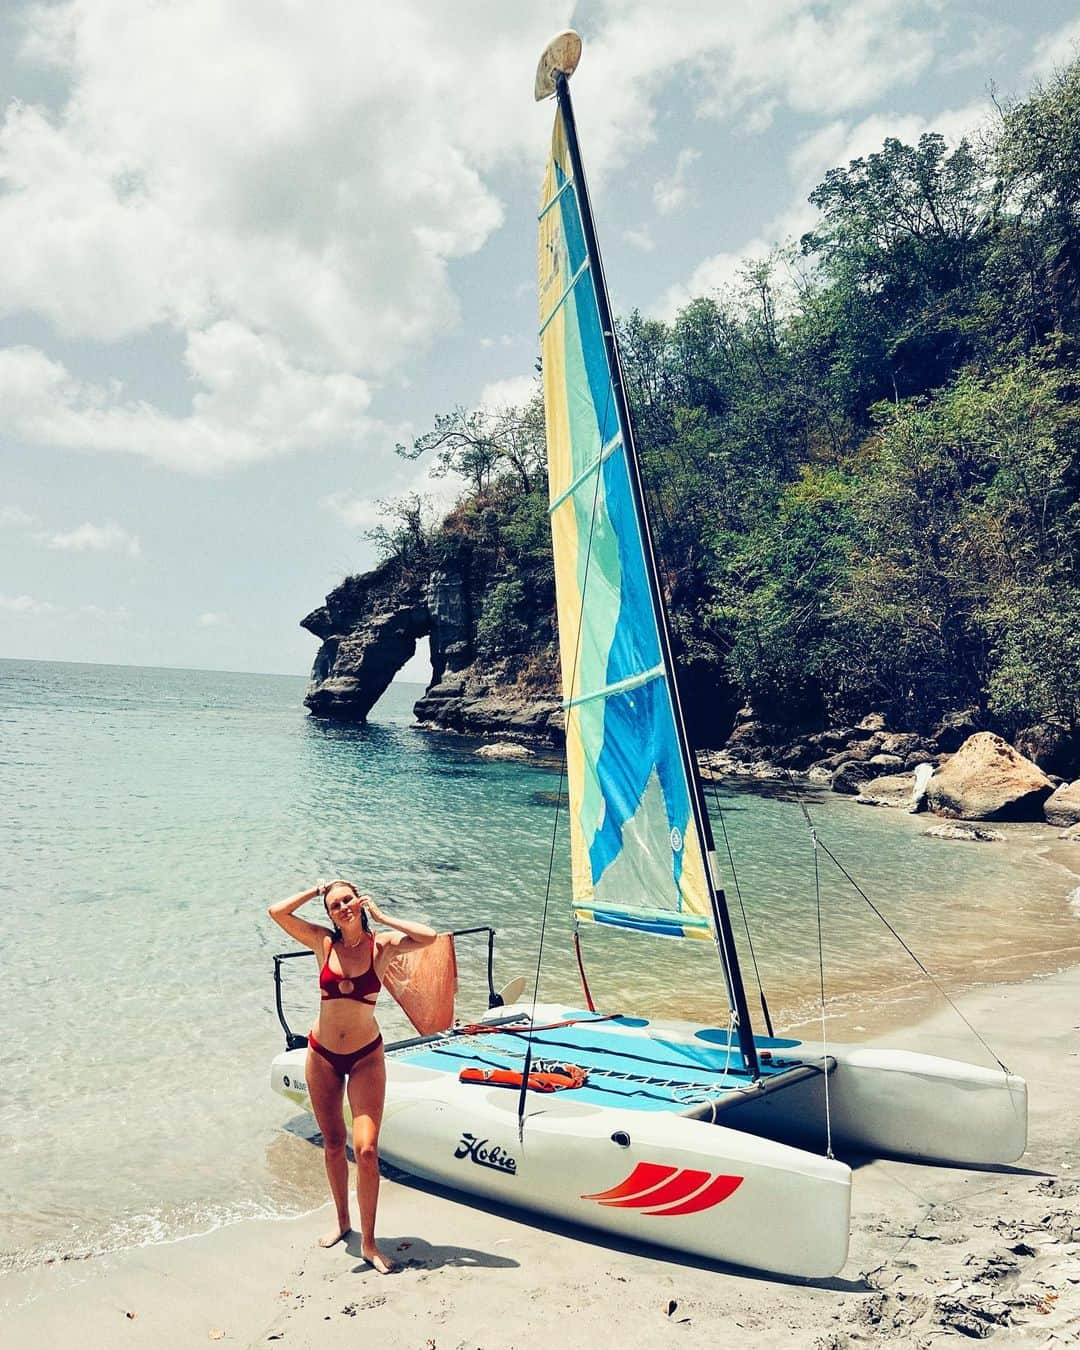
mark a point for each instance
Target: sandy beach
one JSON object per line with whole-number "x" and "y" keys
{"x": 935, "y": 1253}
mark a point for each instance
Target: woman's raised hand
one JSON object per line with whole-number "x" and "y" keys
{"x": 372, "y": 908}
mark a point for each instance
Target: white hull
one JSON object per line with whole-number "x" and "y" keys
{"x": 727, "y": 1191}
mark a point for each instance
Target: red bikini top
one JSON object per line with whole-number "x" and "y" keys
{"x": 361, "y": 985}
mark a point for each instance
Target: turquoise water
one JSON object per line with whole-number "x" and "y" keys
{"x": 147, "y": 818}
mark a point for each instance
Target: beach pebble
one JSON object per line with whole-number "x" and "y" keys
{"x": 968, "y": 832}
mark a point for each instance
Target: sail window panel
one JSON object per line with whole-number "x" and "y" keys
{"x": 643, "y": 849}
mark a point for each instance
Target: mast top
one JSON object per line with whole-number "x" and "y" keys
{"x": 561, "y": 56}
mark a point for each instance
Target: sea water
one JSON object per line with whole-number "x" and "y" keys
{"x": 148, "y": 817}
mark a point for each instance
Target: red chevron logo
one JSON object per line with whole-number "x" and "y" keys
{"x": 676, "y": 1190}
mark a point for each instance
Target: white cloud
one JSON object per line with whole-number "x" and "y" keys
{"x": 27, "y": 604}
{"x": 117, "y": 614}
{"x": 744, "y": 60}
{"x": 362, "y": 513}
{"x": 713, "y": 276}
{"x": 291, "y": 195}
{"x": 673, "y": 192}
{"x": 366, "y": 511}
{"x": 760, "y": 116}
{"x": 513, "y": 392}
{"x": 640, "y": 239}
{"x": 211, "y": 620}
{"x": 250, "y": 403}
{"x": 87, "y": 538}
{"x": 291, "y": 182}
{"x": 984, "y": 45}
{"x": 17, "y": 518}
{"x": 1058, "y": 49}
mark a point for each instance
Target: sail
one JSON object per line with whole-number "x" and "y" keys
{"x": 637, "y": 856}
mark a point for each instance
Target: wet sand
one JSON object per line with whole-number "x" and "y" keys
{"x": 935, "y": 1253}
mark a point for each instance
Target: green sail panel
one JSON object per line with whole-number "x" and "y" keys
{"x": 637, "y": 858}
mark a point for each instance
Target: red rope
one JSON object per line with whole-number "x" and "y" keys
{"x": 581, "y": 971}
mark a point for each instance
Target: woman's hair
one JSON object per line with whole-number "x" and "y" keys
{"x": 363, "y": 912}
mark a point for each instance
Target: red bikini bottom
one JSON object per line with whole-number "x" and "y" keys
{"x": 344, "y": 1064}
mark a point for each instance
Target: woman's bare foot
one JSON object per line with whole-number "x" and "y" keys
{"x": 374, "y": 1257}
{"x": 333, "y": 1238}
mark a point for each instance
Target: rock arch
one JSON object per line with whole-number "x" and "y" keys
{"x": 370, "y": 626}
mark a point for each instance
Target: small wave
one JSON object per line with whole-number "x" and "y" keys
{"x": 148, "y": 1230}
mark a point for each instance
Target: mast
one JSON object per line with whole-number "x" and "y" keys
{"x": 725, "y": 937}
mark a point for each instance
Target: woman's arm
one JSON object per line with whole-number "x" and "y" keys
{"x": 409, "y": 936}
{"x": 284, "y": 915}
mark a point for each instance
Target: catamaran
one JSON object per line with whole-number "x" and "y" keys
{"x": 705, "y": 1139}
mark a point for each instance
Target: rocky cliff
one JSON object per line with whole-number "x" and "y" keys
{"x": 369, "y": 627}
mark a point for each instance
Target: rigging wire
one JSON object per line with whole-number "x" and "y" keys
{"x": 658, "y": 505}
{"x": 742, "y": 909}
{"x": 821, "y": 979}
{"x": 933, "y": 980}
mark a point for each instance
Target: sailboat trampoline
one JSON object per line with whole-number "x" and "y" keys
{"x": 717, "y": 1141}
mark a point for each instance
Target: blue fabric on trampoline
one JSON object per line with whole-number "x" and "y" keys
{"x": 697, "y": 1069}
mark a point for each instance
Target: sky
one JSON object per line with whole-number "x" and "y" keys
{"x": 249, "y": 248}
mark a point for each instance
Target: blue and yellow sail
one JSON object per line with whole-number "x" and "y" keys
{"x": 637, "y": 855}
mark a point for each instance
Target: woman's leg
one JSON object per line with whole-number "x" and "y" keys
{"x": 326, "y": 1088}
{"x": 367, "y": 1092}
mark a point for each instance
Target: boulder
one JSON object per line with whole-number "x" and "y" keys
{"x": 799, "y": 755}
{"x": 505, "y": 750}
{"x": 1051, "y": 746}
{"x": 747, "y": 734}
{"x": 891, "y": 789}
{"x": 905, "y": 791}
{"x": 1063, "y": 806}
{"x": 902, "y": 743}
{"x": 987, "y": 780}
{"x": 871, "y": 723}
{"x": 885, "y": 763}
{"x": 964, "y": 832}
{"x": 923, "y": 756}
{"x": 860, "y": 750}
{"x": 850, "y": 776}
{"x": 957, "y": 727}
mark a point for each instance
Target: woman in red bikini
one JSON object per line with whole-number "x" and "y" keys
{"x": 344, "y": 1046}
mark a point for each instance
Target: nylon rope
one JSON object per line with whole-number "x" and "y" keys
{"x": 742, "y": 908}
{"x": 933, "y": 980}
{"x": 821, "y": 981}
